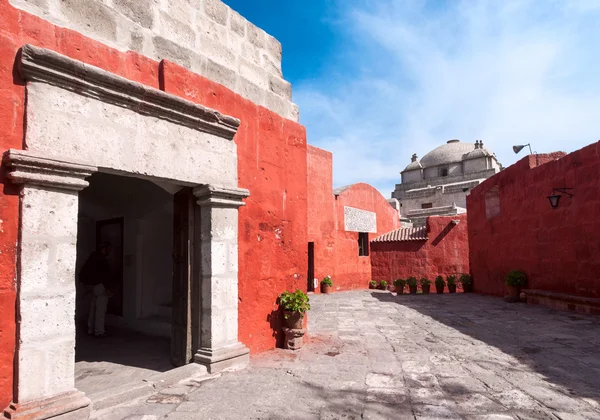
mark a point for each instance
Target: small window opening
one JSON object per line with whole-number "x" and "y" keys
{"x": 363, "y": 244}
{"x": 444, "y": 172}
{"x": 426, "y": 205}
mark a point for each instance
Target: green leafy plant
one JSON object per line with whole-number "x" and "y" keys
{"x": 412, "y": 281}
{"x": 373, "y": 283}
{"x": 327, "y": 281}
{"x": 400, "y": 283}
{"x": 451, "y": 280}
{"x": 383, "y": 284}
{"x": 516, "y": 278}
{"x": 294, "y": 302}
{"x": 466, "y": 279}
{"x": 425, "y": 282}
{"x": 439, "y": 281}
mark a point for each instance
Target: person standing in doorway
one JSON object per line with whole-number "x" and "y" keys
{"x": 97, "y": 275}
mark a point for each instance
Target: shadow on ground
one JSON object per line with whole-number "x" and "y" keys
{"x": 563, "y": 347}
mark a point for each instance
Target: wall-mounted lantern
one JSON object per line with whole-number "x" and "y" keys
{"x": 518, "y": 148}
{"x": 556, "y": 195}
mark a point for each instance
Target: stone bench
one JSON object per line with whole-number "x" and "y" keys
{"x": 563, "y": 301}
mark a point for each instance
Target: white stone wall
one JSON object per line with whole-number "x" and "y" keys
{"x": 357, "y": 220}
{"x": 71, "y": 127}
{"x": 205, "y": 36}
{"x": 411, "y": 176}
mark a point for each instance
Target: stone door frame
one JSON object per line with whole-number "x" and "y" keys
{"x": 50, "y": 181}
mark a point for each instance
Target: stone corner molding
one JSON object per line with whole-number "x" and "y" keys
{"x": 43, "y": 65}
{"x": 219, "y": 196}
{"x": 28, "y": 168}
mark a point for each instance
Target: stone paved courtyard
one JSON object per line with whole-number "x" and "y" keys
{"x": 374, "y": 355}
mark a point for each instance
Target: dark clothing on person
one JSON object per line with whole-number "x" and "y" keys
{"x": 96, "y": 270}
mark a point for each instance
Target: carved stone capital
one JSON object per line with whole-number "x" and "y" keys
{"x": 43, "y": 65}
{"x": 218, "y": 196}
{"x": 31, "y": 169}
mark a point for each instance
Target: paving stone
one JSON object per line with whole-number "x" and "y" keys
{"x": 371, "y": 357}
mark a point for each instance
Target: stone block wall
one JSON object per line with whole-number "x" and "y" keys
{"x": 513, "y": 227}
{"x": 336, "y": 249}
{"x": 204, "y": 36}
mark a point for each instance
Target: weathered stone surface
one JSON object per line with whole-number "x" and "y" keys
{"x": 281, "y": 87}
{"x": 357, "y": 220}
{"x": 423, "y": 337}
{"x": 186, "y": 32}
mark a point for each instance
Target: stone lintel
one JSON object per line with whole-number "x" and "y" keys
{"x": 28, "y": 168}
{"x": 72, "y": 405}
{"x": 219, "y": 196}
{"x": 231, "y": 357}
{"x": 43, "y": 65}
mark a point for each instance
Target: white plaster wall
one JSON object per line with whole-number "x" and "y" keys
{"x": 476, "y": 165}
{"x": 411, "y": 176}
{"x": 71, "y": 127}
{"x": 205, "y": 36}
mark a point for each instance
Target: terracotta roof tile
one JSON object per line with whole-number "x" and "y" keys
{"x": 404, "y": 234}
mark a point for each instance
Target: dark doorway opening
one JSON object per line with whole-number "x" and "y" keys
{"x": 311, "y": 267}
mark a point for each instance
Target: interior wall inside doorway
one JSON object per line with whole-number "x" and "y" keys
{"x": 147, "y": 212}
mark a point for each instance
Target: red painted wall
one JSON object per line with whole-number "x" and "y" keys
{"x": 271, "y": 164}
{"x": 336, "y": 251}
{"x": 446, "y": 252}
{"x": 558, "y": 249}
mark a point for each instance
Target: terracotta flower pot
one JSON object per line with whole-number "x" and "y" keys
{"x": 426, "y": 289}
{"x": 325, "y": 288}
{"x": 514, "y": 293}
{"x": 468, "y": 288}
{"x": 452, "y": 288}
{"x": 372, "y": 286}
{"x": 293, "y": 320}
{"x": 439, "y": 290}
{"x": 400, "y": 290}
{"x": 413, "y": 290}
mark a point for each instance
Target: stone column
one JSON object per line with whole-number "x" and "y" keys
{"x": 45, "y": 352}
{"x": 219, "y": 348}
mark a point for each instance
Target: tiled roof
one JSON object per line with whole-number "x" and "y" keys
{"x": 404, "y": 234}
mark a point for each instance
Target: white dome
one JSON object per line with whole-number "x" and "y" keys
{"x": 452, "y": 151}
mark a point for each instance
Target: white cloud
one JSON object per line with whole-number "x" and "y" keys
{"x": 412, "y": 75}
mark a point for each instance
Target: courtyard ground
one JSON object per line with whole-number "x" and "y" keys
{"x": 374, "y": 355}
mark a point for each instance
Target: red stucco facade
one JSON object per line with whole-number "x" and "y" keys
{"x": 512, "y": 225}
{"x": 336, "y": 250}
{"x": 445, "y": 252}
{"x": 271, "y": 164}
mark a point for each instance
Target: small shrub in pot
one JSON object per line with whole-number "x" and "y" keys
{"x": 439, "y": 284}
{"x": 372, "y": 284}
{"x": 412, "y": 285}
{"x": 383, "y": 285}
{"x": 515, "y": 279}
{"x": 294, "y": 307}
{"x": 451, "y": 281}
{"x": 326, "y": 285}
{"x": 425, "y": 285}
{"x": 467, "y": 283}
{"x": 399, "y": 285}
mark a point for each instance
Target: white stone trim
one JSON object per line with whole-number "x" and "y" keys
{"x": 219, "y": 196}
{"x": 29, "y": 168}
{"x": 43, "y": 65}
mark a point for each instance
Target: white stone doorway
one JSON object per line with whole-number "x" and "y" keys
{"x": 82, "y": 120}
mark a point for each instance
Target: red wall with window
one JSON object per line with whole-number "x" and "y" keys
{"x": 336, "y": 250}
{"x": 512, "y": 225}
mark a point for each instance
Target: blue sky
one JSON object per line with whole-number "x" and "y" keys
{"x": 378, "y": 80}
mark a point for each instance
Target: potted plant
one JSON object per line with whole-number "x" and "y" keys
{"x": 326, "y": 285}
{"x": 399, "y": 285}
{"x": 372, "y": 284}
{"x": 425, "y": 285}
{"x": 383, "y": 285}
{"x": 294, "y": 307}
{"x": 439, "y": 285}
{"x": 515, "y": 279}
{"x": 412, "y": 285}
{"x": 467, "y": 283}
{"x": 451, "y": 281}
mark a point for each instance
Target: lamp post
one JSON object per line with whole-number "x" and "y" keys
{"x": 518, "y": 148}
